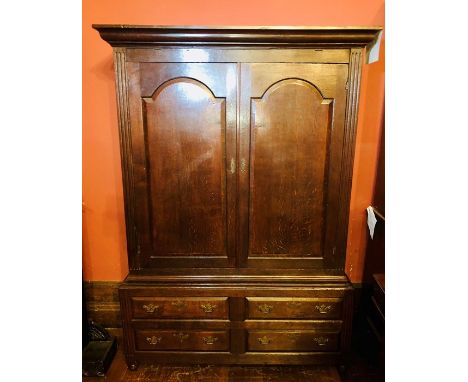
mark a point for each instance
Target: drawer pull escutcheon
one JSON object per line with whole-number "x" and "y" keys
{"x": 150, "y": 308}
{"x": 233, "y": 166}
{"x": 182, "y": 336}
{"x": 179, "y": 304}
{"x": 264, "y": 340}
{"x": 323, "y": 309}
{"x": 210, "y": 340}
{"x": 321, "y": 341}
{"x": 264, "y": 308}
{"x": 208, "y": 308}
{"x": 153, "y": 340}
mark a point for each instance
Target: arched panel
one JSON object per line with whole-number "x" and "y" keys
{"x": 288, "y": 170}
{"x": 185, "y": 138}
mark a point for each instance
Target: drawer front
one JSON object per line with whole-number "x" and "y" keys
{"x": 293, "y": 308}
{"x": 292, "y": 340}
{"x": 181, "y": 340}
{"x": 183, "y": 307}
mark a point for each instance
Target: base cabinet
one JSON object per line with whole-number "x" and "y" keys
{"x": 241, "y": 324}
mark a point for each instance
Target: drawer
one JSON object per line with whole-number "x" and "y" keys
{"x": 183, "y": 307}
{"x": 293, "y": 308}
{"x": 182, "y": 340}
{"x": 292, "y": 340}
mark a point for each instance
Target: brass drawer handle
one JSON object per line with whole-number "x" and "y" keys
{"x": 150, "y": 308}
{"x": 153, "y": 340}
{"x": 210, "y": 340}
{"x": 323, "y": 309}
{"x": 181, "y": 336}
{"x": 179, "y": 304}
{"x": 264, "y": 308}
{"x": 321, "y": 341}
{"x": 208, "y": 308}
{"x": 264, "y": 340}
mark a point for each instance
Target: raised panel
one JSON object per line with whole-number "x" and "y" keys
{"x": 291, "y": 143}
{"x": 290, "y": 127}
{"x": 183, "y": 137}
{"x": 185, "y": 129}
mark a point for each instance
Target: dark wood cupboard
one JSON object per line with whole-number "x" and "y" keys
{"x": 237, "y": 149}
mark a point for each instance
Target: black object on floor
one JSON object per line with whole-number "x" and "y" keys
{"x": 97, "y": 357}
{"x": 99, "y": 352}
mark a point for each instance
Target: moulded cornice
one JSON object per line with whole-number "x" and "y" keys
{"x": 120, "y": 35}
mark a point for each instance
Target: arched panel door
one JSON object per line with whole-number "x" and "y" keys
{"x": 183, "y": 141}
{"x": 290, "y": 152}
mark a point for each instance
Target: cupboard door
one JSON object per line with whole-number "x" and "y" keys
{"x": 183, "y": 125}
{"x": 291, "y": 138}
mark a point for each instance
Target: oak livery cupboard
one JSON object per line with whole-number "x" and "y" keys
{"x": 237, "y": 149}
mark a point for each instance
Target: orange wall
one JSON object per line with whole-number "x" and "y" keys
{"x": 104, "y": 245}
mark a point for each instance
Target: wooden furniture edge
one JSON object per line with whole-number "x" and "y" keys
{"x": 121, "y": 35}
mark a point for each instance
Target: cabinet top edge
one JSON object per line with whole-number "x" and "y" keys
{"x": 243, "y": 27}
{"x": 141, "y": 35}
